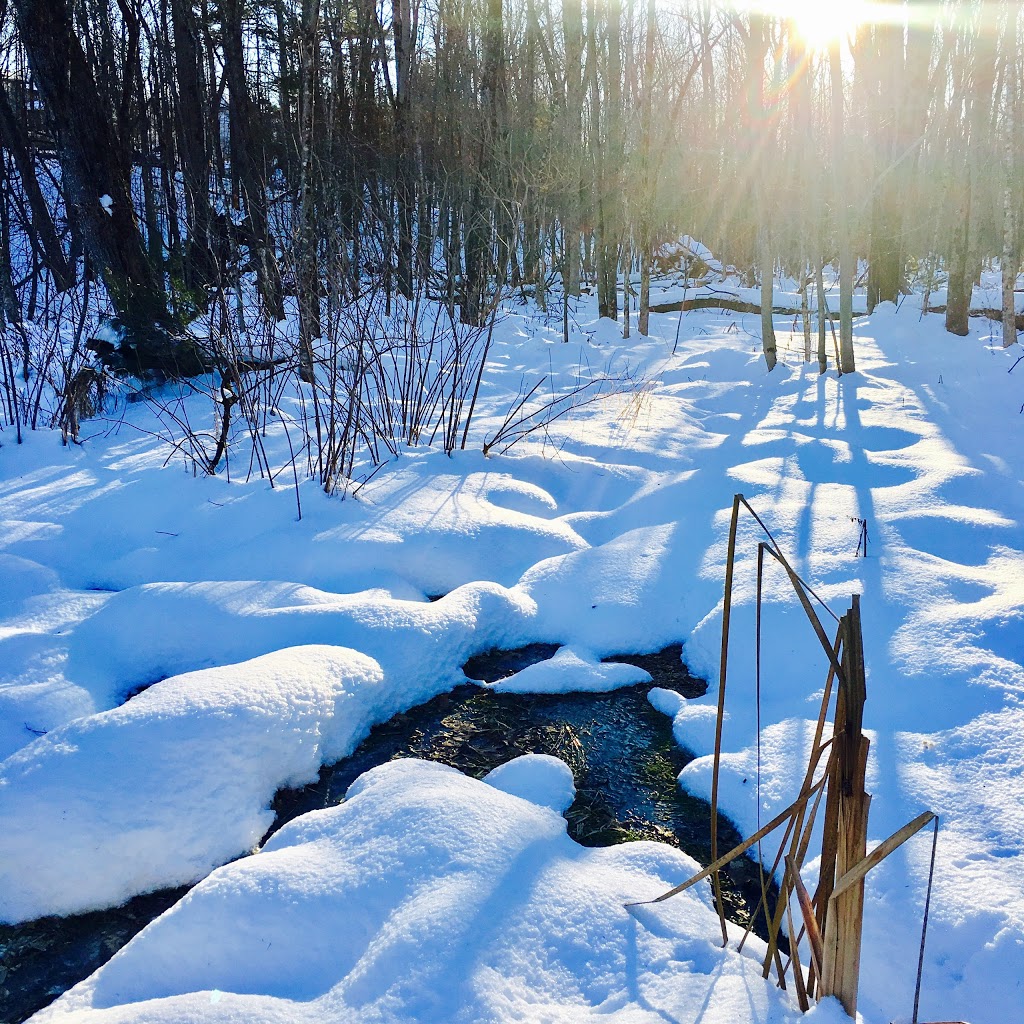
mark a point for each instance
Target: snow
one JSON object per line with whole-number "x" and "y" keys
{"x": 158, "y": 792}
{"x": 571, "y": 669}
{"x": 174, "y": 649}
{"x": 540, "y": 778}
{"x": 429, "y": 896}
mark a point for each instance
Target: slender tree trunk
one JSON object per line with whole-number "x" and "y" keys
{"x": 847, "y": 363}
{"x": 597, "y": 161}
{"x": 757, "y": 43}
{"x": 201, "y": 267}
{"x": 308, "y": 270}
{"x": 647, "y": 196}
{"x": 819, "y": 285}
{"x": 612, "y": 205}
{"x": 494, "y": 165}
{"x": 627, "y": 265}
{"x": 768, "y": 341}
{"x": 1010, "y": 262}
{"x": 10, "y": 307}
{"x": 404, "y": 29}
{"x": 572, "y": 25}
{"x": 248, "y": 163}
{"x": 12, "y": 138}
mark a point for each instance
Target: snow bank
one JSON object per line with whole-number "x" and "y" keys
{"x": 539, "y": 778}
{"x": 600, "y": 597}
{"x": 428, "y": 896}
{"x": 605, "y": 534}
{"x": 149, "y": 632}
{"x": 570, "y": 670}
{"x": 177, "y": 781}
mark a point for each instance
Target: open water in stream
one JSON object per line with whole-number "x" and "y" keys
{"x": 621, "y": 752}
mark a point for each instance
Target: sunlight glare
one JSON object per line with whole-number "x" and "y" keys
{"x": 819, "y": 22}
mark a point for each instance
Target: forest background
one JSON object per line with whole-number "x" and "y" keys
{"x": 462, "y": 150}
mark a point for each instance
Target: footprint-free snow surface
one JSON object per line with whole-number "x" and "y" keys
{"x": 174, "y": 650}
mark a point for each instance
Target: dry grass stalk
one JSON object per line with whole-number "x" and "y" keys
{"x": 833, "y": 918}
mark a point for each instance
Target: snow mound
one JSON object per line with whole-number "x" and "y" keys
{"x": 597, "y": 597}
{"x": 428, "y": 896}
{"x": 149, "y": 632}
{"x": 571, "y": 670}
{"x": 23, "y": 579}
{"x": 177, "y": 781}
{"x": 540, "y": 778}
{"x": 693, "y": 723}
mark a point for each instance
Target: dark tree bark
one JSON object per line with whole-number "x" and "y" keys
{"x": 405, "y": 38}
{"x": 12, "y": 138}
{"x": 306, "y": 262}
{"x": 10, "y": 307}
{"x": 96, "y": 182}
{"x": 248, "y": 162}
{"x": 960, "y": 284}
{"x": 200, "y": 265}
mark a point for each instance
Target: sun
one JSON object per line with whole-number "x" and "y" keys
{"x": 819, "y": 23}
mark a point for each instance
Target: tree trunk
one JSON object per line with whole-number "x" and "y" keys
{"x": 757, "y": 43}
{"x": 404, "y": 39}
{"x": 960, "y": 284}
{"x": 885, "y": 262}
{"x": 200, "y": 264}
{"x": 847, "y": 363}
{"x": 647, "y": 190}
{"x": 493, "y": 164}
{"x": 768, "y": 342}
{"x": 572, "y": 26}
{"x": 478, "y": 233}
{"x": 1010, "y": 257}
{"x": 819, "y": 285}
{"x": 307, "y": 267}
{"x": 248, "y": 163}
{"x": 96, "y": 184}
{"x": 10, "y": 307}
{"x": 12, "y": 138}
{"x": 605, "y": 297}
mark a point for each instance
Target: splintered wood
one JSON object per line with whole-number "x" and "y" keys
{"x": 823, "y": 955}
{"x": 844, "y": 911}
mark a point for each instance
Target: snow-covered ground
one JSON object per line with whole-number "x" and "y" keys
{"x": 264, "y": 646}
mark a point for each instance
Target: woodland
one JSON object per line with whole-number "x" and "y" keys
{"x": 675, "y": 257}
{"x": 155, "y": 152}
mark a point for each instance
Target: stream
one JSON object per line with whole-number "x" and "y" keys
{"x": 621, "y": 751}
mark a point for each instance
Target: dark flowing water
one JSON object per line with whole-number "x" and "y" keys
{"x": 621, "y": 752}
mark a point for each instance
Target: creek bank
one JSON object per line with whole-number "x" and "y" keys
{"x": 624, "y": 761}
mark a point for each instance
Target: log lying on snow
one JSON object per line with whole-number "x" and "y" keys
{"x": 734, "y": 305}
{"x": 992, "y": 314}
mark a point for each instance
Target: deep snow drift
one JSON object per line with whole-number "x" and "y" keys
{"x": 429, "y": 896}
{"x": 269, "y": 646}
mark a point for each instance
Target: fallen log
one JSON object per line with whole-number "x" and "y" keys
{"x": 992, "y": 314}
{"x": 732, "y": 305}
{"x": 735, "y": 305}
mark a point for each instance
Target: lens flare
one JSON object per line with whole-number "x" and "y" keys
{"x": 818, "y": 22}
